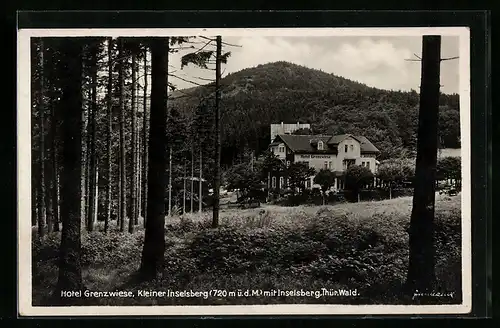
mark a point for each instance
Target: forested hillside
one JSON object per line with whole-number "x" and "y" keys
{"x": 254, "y": 98}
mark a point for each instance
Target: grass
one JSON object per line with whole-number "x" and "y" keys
{"x": 359, "y": 246}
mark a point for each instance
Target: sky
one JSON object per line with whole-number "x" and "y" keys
{"x": 376, "y": 61}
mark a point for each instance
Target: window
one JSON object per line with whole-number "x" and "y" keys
{"x": 368, "y": 164}
{"x": 352, "y": 147}
{"x": 272, "y": 150}
{"x": 320, "y": 145}
{"x": 287, "y": 163}
{"x": 273, "y": 183}
{"x": 308, "y": 183}
{"x": 330, "y": 165}
{"x": 362, "y": 163}
{"x": 281, "y": 182}
{"x": 326, "y": 165}
{"x": 282, "y": 149}
{"x": 345, "y": 148}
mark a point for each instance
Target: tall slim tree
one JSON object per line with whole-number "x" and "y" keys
{"x": 184, "y": 189}
{"x": 421, "y": 274}
{"x": 145, "y": 139}
{"x": 217, "y": 175}
{"x": 92, "y": 138}
{"x": 152, "y": 262}
{"x": 170, "y": 173}
{"x": 122, "y": 156}
{"x": 70, "y": 274}
{"x": 41, "y": 110}
{"x": 200, "y": 183}
{"x": 109, "y": 131}
{"x": 133, "y": 172}
{"x": 191, "y": 190}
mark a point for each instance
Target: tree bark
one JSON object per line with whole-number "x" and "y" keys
{"x": 92, "y": 147}
{"x": 184, "y": 190}
{"x": 51, "y": 178}
{"x": 170, "y": 181}
{"x": 55, "y": 170}
{"x": 123, "y": 172}
{"x": 421, "y": 275}
{"x": 215, "y": 220}
{"x": 152, "y": 262}
{"x": 145, "y": 140}
{"x": 191, "y": 190}
{"x": 200, "y": 184}
{"x": 109, "y": 131}
{"x": 70, "y": 274}
{"x": 41, "y": 110}
{"x": 133, "y": 175}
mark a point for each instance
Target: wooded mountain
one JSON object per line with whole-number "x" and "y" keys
{"x": 256, "y": 97}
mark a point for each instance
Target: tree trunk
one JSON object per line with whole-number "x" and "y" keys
{"x": 109, "y": 131}
{"x": 170, "y": 181}
{"x": 133, "y": 176}
{"x": 41, "y": 110}
{"x": 70, "y": 274}
{"x": 215, "y": 220}
{"x": 88, "y": 160}
{"x": 191, "y": 190}
{"x": 145, "y": 141}
{"x": 51, "y": 171}
{"x": 55, "y": 170}
{"x": 96, "y": 193}
{"x": 139, "y": 188}
{"x": 152, "y": 262}
{"x": 92, "y": 148}
{"x": 200, "y": 184}
{"x": 421, "y": 275}
{"x": 184, "y": 190}
{"x": 123, "y": 172}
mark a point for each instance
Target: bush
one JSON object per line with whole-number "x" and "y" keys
{"x": 361, "y": 246}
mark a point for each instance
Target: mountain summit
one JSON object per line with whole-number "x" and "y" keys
{"x": 254, "y": 98}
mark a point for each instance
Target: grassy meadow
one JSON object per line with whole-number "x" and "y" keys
{"x": 361, "y": 246}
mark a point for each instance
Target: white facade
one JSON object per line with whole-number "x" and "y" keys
{"x": 348, "y": 153}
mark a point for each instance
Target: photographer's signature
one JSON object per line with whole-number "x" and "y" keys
{"x": 417, "y": 294}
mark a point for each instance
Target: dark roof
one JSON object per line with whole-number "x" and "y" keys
{"x": 302, "y": 143}
{"x": 366, "y": 145}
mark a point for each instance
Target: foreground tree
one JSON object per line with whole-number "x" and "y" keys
{"x": 152, "y": 261}
{"x": 326, "y": 179}
{"x": 70, "y": 274}
{"x": 356, "y": 177}
{"x": 217, "y": 175}
{"x": 421, "y": 274}
{"x": 450, "y": 168}
{"x": 244, "y": 178}
{"x": 297, "y": 174}
{"x": 394, "y": 172}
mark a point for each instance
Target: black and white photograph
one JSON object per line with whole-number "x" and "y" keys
{"x": 244, "y": 171}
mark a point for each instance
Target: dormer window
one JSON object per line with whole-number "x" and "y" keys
{"x": 320, "y": 145}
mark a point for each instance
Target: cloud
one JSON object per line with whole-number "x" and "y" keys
{"x": 376, "y": 62}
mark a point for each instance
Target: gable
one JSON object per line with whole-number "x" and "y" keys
{"x": 302, "y": 143}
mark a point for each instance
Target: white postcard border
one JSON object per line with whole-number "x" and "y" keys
{"x": 25, "y": 307}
